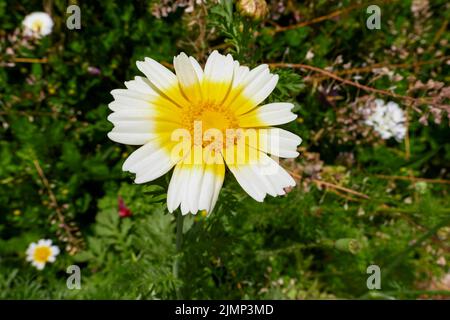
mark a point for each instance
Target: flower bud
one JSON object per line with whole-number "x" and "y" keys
{"x": 348, "y": 245}
{"x": 255, "y": 9}
{"x": 421, "y": 187}
{"x": 443, "y": 233}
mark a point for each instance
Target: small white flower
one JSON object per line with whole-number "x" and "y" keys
{"x": 309, "y": 55}
{"x": 38, "y": 24}
{"x": 388, "y": 120}
{"x": 42, "y": 252}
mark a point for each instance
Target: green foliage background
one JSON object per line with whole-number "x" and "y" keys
{"x": 284, "y": 248}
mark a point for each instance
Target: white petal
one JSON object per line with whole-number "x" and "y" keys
{"x": 139, "y": 126}
{"x": 240, "y": 73}
{"x": 218, "y": 182}
{"x": 164, "y": 80}
{"x": 207, "y": 191}
{"x": 219, "y": 75}
{"x": 31, "y": 248}
{"x": 150, "y": 172}
{"x": 256, "y": 73}
{"x": 130, "y": 99}
{"x": 243, "y": 77}
{"x": 119, "y": 106}
{"x": 278, "y": 142}
{"x": 139, "y": 155}
{"x": 131, "y": 138}
{"x": 262, "y": 177}
{"x": 194, "y": 187}
{"x": 261, "y": 181}
{"x": 176, "y": 187}
{"x": 186, "y": 74}
{"x": 257, "y": 92}
{"x": 160, "y": 76}
{"x": 149, "y": 162}
{"x": 279, "y": 178}
{"x": 198, "y": 69}
{"x": 142, "y": 85}
{"x": 55, "y": 250}
{"x": 214, "y": 68}
{"x": 244, "y": 177}
{"x": 211, "y": 185}
{"x": 184, "y": 206}
{"x": 131, "y": 114}
{"x": 184, "y": 188}
{"x": 268, "y": 115}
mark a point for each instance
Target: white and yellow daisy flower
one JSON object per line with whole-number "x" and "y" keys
{"x": 38, "y": 24}
{"x": 41, "y": 252}
{"x": 199, "y": 120}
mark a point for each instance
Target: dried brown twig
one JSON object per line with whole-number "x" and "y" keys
{"x": 73, "y": 241}
{"x": 413, "y": 179}
{"x": 30, "y": 60}
{"x": 370, "y": 68}
{"x": 334, "y": 76}
{"x": 333, "y": 186}
{"x": 331, "y": 15}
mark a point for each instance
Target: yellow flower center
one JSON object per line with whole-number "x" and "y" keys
{"x": 207, "y": 126}
{"x": 37, "y": 26}
{"x": 41, "y": 254}
{"x": 210, "y": 117}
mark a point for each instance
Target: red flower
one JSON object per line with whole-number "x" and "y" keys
{"x": 123, "y": 209}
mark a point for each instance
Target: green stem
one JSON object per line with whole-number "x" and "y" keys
{"x": 179, "y": 243}
{"x": 410, "y": 248}
{"x": 387, "y": 270}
